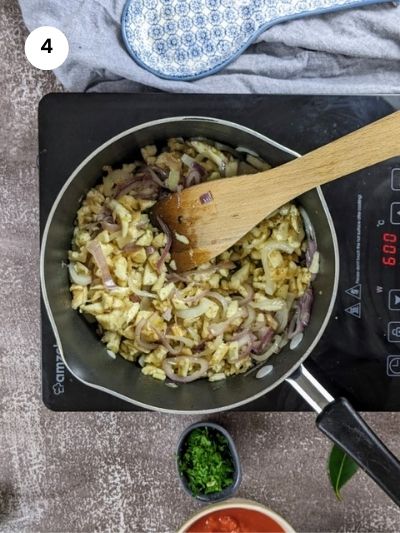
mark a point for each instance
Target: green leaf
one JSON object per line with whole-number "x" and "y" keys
{"x": 341, "y": 469}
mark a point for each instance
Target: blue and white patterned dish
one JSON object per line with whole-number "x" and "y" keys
{"x": 190, "y": 39}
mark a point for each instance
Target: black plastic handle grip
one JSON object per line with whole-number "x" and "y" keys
{"x": 344, "y": 426}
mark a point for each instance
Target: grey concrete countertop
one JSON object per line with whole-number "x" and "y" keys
{"x": 115, "y": 471}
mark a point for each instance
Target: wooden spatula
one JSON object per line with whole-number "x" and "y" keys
{"x": 214, "y": 215}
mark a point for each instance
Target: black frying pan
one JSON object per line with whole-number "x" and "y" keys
{"x": 87, "y": 359}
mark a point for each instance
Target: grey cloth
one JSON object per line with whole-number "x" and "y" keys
{"x": 352, "y": 51}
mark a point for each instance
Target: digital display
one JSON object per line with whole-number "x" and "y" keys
{"x": 389, "y": 249}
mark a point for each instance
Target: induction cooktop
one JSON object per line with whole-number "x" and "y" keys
{"x": 359, "y": 354}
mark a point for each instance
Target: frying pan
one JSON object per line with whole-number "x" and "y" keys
{"x": 87, "y": 359}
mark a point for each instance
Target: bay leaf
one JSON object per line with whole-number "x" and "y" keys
{"x": 341, "y": 469}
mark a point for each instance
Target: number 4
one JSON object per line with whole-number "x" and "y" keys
{"x": 46, "y": 46}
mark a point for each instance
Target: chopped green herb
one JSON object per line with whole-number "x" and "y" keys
{"x": 206, "y": 462}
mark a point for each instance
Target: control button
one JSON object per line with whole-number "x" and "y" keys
{"x": 395, "y": 181}
{"x": 355, "y": 291}
{"x": 393, "y": 332}
{"x": 355, "y": 310}
{"x": 394, "y": 300}
{"x": 395, "y": 213}
{"x": 393, "y": 366}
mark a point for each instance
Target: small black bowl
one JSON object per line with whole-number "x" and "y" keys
{"x": 237, "y": 474}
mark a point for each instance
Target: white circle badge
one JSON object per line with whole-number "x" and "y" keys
{"x": 46, "y": 48}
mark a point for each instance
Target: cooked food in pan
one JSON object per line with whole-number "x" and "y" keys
{"x": 213, "y": 322}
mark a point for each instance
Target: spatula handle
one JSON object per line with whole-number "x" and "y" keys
{"x": 262, "y": 193}
{"x": 367, "y": 146}
{"x": 236, "y": 205}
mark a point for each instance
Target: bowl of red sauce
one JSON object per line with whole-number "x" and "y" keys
{"x": 236, "y": 516}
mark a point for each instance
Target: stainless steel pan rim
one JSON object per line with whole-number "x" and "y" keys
{"x": 249, "y": 399}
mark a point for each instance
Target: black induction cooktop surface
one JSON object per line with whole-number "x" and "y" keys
{"x": 359, "y": 353}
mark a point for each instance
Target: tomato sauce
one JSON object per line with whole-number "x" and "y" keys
{"x": 235, "y": 520}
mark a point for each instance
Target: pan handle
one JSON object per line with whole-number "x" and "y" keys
{"x": 344, "y": 426}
